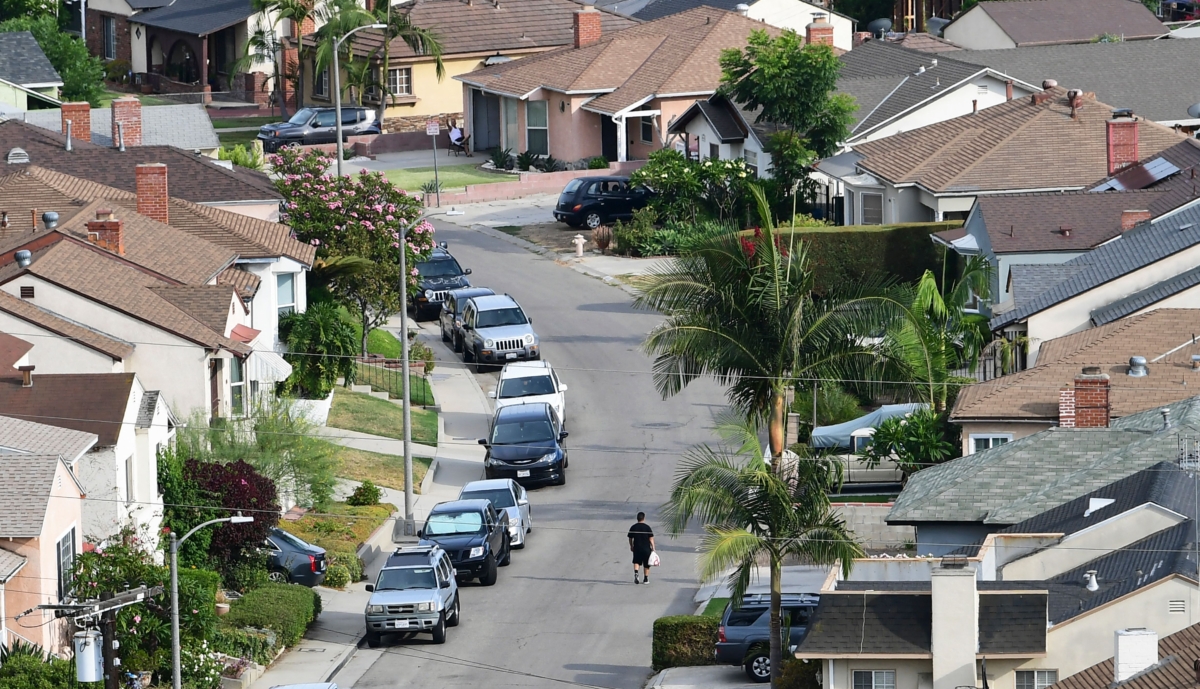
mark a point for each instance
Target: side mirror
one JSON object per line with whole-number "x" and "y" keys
{"x": 420, "y": 533}
{"x": 446, "y": 584}
{"x": 483, "y": 441}
{"x": 522, "y": 502}
{"x": 467, "y": 271}
{"x": 531, "y": 321}
{"x": 562, "y": 388}
{"x": 370, "y": 588}
{"x": 563, "y": 435}
{"x": 491, "y": 394}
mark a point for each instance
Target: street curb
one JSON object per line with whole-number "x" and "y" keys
{"x": 656, "y": 680}
{"x": 345, "y": 659}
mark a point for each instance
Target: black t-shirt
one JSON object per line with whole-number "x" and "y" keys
{"x": 641, "y": 533}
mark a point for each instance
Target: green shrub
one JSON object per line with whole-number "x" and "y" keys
{"x": 286, "y": 609}
{"x": 526, "y": 160}
{"x": 247, "y": 574}
{"x": 366, "y": 493}
{"x": 636, "y": 237}
{"x": 337, "y": 577}
{"x": 502, "y": 158}
{"x": 241, "y": 156}
{"x": 598, "y": 163}
{"x": 683, "y": 640}
{"x": 117, "y": 71}
{"x": 346, "y": 556}
{"x": 251, "y": 644}
{"x": 848, "y": 255}
{"x": 800, "y": 674}
{"x": 30, "y": 672}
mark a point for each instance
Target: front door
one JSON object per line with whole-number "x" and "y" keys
{"x": 485, "y": 115}
{"x": 608, "y": 138}
{"x": 214, "y": 386}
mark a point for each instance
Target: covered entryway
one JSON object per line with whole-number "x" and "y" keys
{"x": 485, "y": 121}
{"x": 608, "y": 138}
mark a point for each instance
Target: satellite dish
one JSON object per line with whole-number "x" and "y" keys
{"x": 1194, "y": 111}
{"x": 880, "y": 26}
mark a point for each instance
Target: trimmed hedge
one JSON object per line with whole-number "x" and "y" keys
{"x": 850, "y": 254}
{"x": 337, "y": 577}
{"x": 286, "y": 609}
{"x": 254, "y": 644}
{"x": 684, "y": 640}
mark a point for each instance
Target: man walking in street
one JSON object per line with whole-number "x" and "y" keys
{"x": 641, "y": 542}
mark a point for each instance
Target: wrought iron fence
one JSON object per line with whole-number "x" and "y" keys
{"x": 387, "y": 375}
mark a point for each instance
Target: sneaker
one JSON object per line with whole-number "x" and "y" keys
{"x": 646, "y": 579}
{"x": 635, "y": 578}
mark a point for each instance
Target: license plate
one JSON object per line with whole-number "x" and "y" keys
{"x": 522, "y": 473}
{"x": 400, "y": 624}
{"x": 510, "y": 355}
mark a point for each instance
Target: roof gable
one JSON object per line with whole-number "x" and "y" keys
{"x": 25, "y": 492}
{"x": 22, "y": 61}
{"x": 1041, "y": 22}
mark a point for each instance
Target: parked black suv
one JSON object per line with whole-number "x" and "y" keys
{"x": 436, "y": 276}
{"x": 744, "y": 637}
{"x": 524, "y": 443}
{"x": 290, "y": 559}
{"x": 593, "y": 201}
{"x": 474, "y": 534}
{"x": 317, "y": 126}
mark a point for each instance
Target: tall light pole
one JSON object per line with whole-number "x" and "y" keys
{"x": 235, "y": 519}
{"x": 337, "y": 90}
{"x": 406, "y": 404}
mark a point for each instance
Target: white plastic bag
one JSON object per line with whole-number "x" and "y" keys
{"x": 654, "y": 561}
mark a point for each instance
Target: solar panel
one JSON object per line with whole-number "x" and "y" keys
{"x": 1139, "y": 176}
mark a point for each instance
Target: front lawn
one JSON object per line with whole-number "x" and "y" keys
{"x": 382, "y": 470}
{"x": 231, "y": 139}
{"x": 715, "y": 607}
{"x": 338, "y": 524}
{"x": 356, "y": 411}
{"x": 451, "y": 176}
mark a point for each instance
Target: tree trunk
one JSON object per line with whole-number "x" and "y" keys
{"x": 300, "y": 70}
{"x": 366, "y": 328}
{"x": 776, "y": 620}
{"x": 775, "y": 429}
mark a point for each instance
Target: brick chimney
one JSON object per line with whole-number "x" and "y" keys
{"x": 152, "y": 198}
{"x": 1087, "y": 405}
{"x": 1131, "y": 218}
{"x": 860, "y": 37}
{"x": 126, "y": 121}
{"x": 80, "y": 115}
{"x": 820, "y": 31}
{"x": 586, "y": 24}
{"x": 107, "y": 232}
{"x": 1121, "y": 133}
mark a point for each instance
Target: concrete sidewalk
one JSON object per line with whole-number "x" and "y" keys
{"x": 373, "y": 443}
{"x": 704, "y": 677}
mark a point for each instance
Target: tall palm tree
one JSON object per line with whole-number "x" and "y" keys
{"x": 420, "y": 41}
{"x": 298, "y": 11}
{"x": 742, "y": 309}
{"x": 262, "y": 46}
{"x": 360, "y": 77}
{"x": 750, "y": 512}
{"x": 337, "y": 17}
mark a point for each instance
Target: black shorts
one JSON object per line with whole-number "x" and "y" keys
{"x": 642, "y": 557}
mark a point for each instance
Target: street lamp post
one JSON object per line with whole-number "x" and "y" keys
{"x": 175, "y": 670}
{"x": 406, "y": 403}
{"x": 337, "y": 90}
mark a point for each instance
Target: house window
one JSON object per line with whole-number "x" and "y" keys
{"x": 108, "y": 26}
{"x": 987, "y": 442}
{"x": 286, "y": 295}
{"x": 872, "y": 210}
{"x": 752, "y": 162}
{"x": 1036, "y": 679}
{"x": 237, "y": 387}
{"x": 66, "y": 562}
{"x": 511, "y": 128}
{"x": 647, "y": 130}
{"x": 320, "y": 85}
{"x": 27, "y": 292}
{"x": 537, "y": 133}
{"x": 714, "y": 151}
{"x": 400, "y": 81}
{"x": 876, "y": 679}
{"x": 129, "y": 479}
{"x": 1177, "y": 607}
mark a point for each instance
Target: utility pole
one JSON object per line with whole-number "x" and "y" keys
{"x": 108, "y": 628}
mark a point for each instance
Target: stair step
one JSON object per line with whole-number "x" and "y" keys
{"x": 360, "y": 388}
{"x": 380, "y": 395}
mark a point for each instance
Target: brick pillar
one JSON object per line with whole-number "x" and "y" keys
{"x": 820, "y": 31}
{"x": 1066, "y": 407}
{"x": 586, "y": 26}
{"x": 127, "y": 111}
{"x": 1122, "y": 139}
{"x": 1091, "y": 398}
{"x": 1131, "y": 218}
{"x": 106, "y": 232}
{"x": 152, "y": 198}
{"x": 80, "y": 115}
{"x": 861, "y": 37}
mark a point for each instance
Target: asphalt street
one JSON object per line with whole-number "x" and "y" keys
{"x": 566, "y": 611}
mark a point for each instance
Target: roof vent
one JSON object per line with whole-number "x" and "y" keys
{"x": 1122, "y": 112}
{"x": 1166, "y": 414}
{"x": 1137, "y": 367}
{"x": 1049, "y": 84}
{"x": 24, "y": 258}
{"x": 743, "y": 9}
{"x": 954, "y": 562}
{"x": 1091, "y": 370}
{"x": 17, "y": 156}
{"x": 1186, "y": 226}
{"x": 50, "y": 219}
{"x": 1090, "y": 577}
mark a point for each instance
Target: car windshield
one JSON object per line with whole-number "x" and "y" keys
{"x": 406, "y": 578}
{"x": 450, "y": 523}
{"x": 291, "y": 540}
{"x": 526, "y": 387}
{"x": 499, "y": 317}
{"x": 517, "y": 432}
{"x": 499, "y": 498}
{"x": 572, "y": 186}
{"x": 441, "y": 268}
{"x": 302, "y": 116}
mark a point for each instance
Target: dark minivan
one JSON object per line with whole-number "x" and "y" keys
{"x": 291, "y": 560}
{"x": 594, "y": 201}
{"x": 317, "y": 126}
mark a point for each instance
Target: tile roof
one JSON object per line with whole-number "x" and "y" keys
{"x": 30, "y": 437}
{"x": 1126, "y": 75}
{"x": 12, "y": 349}
{"x": 22, "y": 61}
{"x": 209, "y": 304}
{"x": 1016, "y": 145}
{"x": 10, "y": 564}
{"x": 994, "y": 486}
{"x": 25, "y": 493}
{"x": 673, "y": 55}
{"x": 1042, "y": 22}
{"x": 1024, "y": 223}
{"x": 197, "y": 17}
{"x": 1132, "y": 250}
{"x": 91, "y": 403}
{"x": 182, "y": 126}
{"x": 64, "y": 327}
{"x": 923, "y": 42}
{"x": 191, "y": 177}
{"x": 868, "y": 93}
{"x": 245, "y": 282}
{"x": 249, "y": 237}
{"x": 1173, "y": 671}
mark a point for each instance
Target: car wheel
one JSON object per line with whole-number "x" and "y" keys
{"x": 277, "y": 576}
{"x": 373, "y": 639}
{"x": 562, "y": 476}
{"x": 521, "y": 545}
{"x": 468, "y": 355}
{"x": 507, "y": 559}
{"x": 458, "y": 348}
{"x": 489, "y": 571}
{"x": 480, "y": 367}
{"x": 593, "y": 220}
{"x": 758, "y": 667}
{"x": 439, "y": 630}
{"x": 453, "y": 618}
{"x": 445, "y": 337}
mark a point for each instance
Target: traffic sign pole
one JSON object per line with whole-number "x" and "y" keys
{"x": 433, "y": 128}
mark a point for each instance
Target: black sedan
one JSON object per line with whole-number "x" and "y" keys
{"x": 525, "y": 444}
{"x": 594, "y": 201}
{"x": 474, "y": 534}
{"x": 290, "y": 559}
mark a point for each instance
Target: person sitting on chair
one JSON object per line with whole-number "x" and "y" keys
{"x": 456, "y": 136}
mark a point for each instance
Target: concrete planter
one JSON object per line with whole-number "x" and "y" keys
{"x": 316, "y": 411}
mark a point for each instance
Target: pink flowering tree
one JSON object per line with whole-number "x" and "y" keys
{"x": 348, "y": 217}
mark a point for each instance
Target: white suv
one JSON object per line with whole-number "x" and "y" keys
{"x": 531, "y": 381}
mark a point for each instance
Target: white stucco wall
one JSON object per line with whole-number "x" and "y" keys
{"x": 103, "y": 473}
{"x": 796, "y": 15}
{"x": 111, "y": 6}
{"x": 53, "y": 353}
{"x": 975, "y": 30}
{"x": 951, "y": 104}
{"x": 699, "y": 128}
{"x": 264, "y": 309}
{"x": 1016, "y": 430}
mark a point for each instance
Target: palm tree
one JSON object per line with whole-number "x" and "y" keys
{"x": 298, "y": 11}
{"x": 360, "y": 77}
{"x": 338, "y": 18}
{"x": 750, "y": 513}
{"x": 262, "y": 46}
{"x": 742, "y": 309}
{"x": 420, "y": 41}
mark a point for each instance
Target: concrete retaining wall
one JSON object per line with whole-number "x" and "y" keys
{"x": 529, "y": 183}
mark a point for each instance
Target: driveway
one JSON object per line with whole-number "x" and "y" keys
{"x": 566, "y": 610}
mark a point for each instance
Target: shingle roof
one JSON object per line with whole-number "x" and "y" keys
{"x": 12, "y": 349}
{"x": 924, "y": 43}
{"x": 1174, "y": 670}
{"x": 197, "y": 17}
{"x": 657, "y": 9}
{"x": 869, "y": 93}
{"x": 1022, "y": 223}
{"x": 91, "y": 403}
{"x": 10, "y": 564}
{"x": 1026, "y": 477}
{"x": 245, "y": 282}
{"x": 1016, "y": 145}
{"x": 673, "y": 55}
{"x": 1125, "y": 75}
{"x": 191, "y": 177}
{"x": 30, "y": 437}
{"x": 183, "y": 126}
{"x": 1132, "y": 250}
{"x": 1041, "y": 22}
{"x": 22, "y": 61}
{"x": 1176, "y": 188}
{"x": 209, "y": 304}
{"x": 1144, "y": 298}
{"x": 25, "y": 493}
{"x": 64, "y": 327}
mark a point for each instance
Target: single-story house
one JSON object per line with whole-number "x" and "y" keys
{"x": 27, "y": 79}
{"x": 127, "y": 123}
{"x": 719, "y": 129}
{"x": 1003, "y": 25}
{"x": 782, "y": 14}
